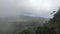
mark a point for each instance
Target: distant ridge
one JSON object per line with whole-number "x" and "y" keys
{"x": 33, "y": 18}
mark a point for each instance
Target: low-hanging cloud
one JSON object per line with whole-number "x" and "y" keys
{"x": 34, "y": 7}
{"x": 15, "y": 8}
{"x": 39, "y": 8}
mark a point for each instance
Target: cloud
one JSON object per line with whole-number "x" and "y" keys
{"x": 7, "y": 8}
{"x": 40, "y": 7}
{"x": 35, "y": 7}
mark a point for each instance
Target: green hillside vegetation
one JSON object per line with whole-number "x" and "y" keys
{"x": 52, "y": 27}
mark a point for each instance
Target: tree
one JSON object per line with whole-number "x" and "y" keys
{"x": 55, "y": 21}
{"x": 56, "y": 18}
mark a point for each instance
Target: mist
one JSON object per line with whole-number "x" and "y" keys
{"x": 11, "y": 10}
{"x": 35, "y": 8}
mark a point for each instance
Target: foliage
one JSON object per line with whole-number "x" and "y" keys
{"x": 55, "y": 21}
{"x": 52, "y": 27}
{"x": 56, "y": 18}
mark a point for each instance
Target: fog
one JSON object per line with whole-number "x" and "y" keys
{"x": 16, "y": 8}
{"x": 35, "y": 7}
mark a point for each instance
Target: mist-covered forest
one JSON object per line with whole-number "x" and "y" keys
{"x": 31, "y": 25}
{"x": 52, "y": 26}
{"x": 29, "y": 17}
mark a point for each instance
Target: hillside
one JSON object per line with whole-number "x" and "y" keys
{"x": 27, "y": 21}
{"x": 30, "y": 18}
{"x": 13, "y": 25}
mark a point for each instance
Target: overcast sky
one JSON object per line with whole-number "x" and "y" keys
{"x": 38, "y": 8}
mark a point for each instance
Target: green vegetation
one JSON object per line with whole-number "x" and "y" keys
{"x": 52, "y": 27}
